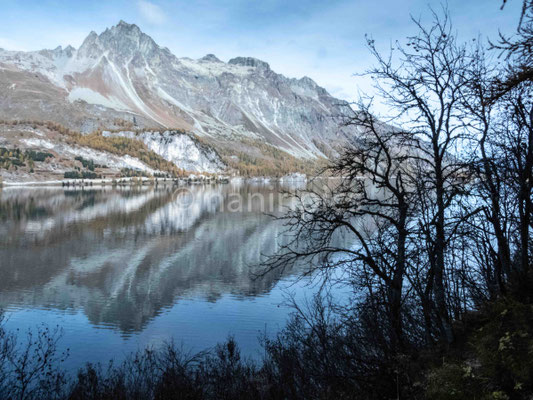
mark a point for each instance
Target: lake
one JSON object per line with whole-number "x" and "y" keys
{"x": 119, "y": 269}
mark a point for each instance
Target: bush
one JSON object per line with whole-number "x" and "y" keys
{"x": 72, "y": 175}
{"x": 453, "y": 382}
{"x": 504, "y": 347}
{"x": 30, "y": 367}
{"x": 38, "y": 155}
{"x": 80, "y": 175}
{"x": 317, "y": 356}
{"x": 89, "y": 164}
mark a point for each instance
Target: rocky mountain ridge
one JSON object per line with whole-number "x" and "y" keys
{"x": 122, "y": 80}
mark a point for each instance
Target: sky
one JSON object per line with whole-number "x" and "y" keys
{"x": 322, "y": 39}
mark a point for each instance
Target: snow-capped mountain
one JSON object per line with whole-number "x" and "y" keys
{"x": 122, "y": 75}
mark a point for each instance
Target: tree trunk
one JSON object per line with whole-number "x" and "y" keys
{"x": 440, "y": 244}
{"x": 396, "y": 287}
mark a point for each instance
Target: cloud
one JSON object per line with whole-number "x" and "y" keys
{"x": 151, "y": 12}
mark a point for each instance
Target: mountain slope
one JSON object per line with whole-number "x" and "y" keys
{"x": 122, "y": 80}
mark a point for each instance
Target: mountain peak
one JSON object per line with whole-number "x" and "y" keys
{"x": 210, "y": 58}
{"x": 250, "y": 62}
{"x": 123, "y": 26}
{"x": 122, "y": 41}
{"x": 308, "y": 81}
{"x": 124, "y": 23}
{"x": 91, "y": 37}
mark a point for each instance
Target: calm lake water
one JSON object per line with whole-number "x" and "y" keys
{"x": 121, "y": 269}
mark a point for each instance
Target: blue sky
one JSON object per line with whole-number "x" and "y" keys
{"x": 320, "y": 39}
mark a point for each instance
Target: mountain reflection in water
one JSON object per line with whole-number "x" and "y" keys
{"x": 122, "y": 256}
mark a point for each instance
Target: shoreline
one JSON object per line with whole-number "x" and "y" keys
{"x": 129, "y": 181}
{"x": 146, "y": 181}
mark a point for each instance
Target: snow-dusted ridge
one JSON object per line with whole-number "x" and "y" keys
{"x": 122, "y": 73}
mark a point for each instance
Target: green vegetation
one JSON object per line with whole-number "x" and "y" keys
{"x": 15, "y": 158}
{"x": 89, "y": 164}
{"x": 38, "y": 155}
{"x": 493, "y": 360}
{"x": 130, "y": 173}
{"x": 81, "y": 175}
{"x": 161, "y": 175}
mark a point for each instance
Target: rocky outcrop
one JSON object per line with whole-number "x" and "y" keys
{"x": 183, "y": 150}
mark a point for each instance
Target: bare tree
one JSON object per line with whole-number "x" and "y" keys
{"x": 498, "y": 105}
{"x": 480, "y": 114}
{"x": 422, "y": 82}
{"x": 372, "y": 206}
{"x": 518, "y": 52}
{"x": 515, "y": 140}
{"x": 401, "y": 191}
{"x": 30, "y": 365}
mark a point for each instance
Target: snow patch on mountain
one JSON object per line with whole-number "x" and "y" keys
{"x": 177, "y": 147}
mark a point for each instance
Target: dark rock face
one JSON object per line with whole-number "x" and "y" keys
{"x": 249, "y": 62}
